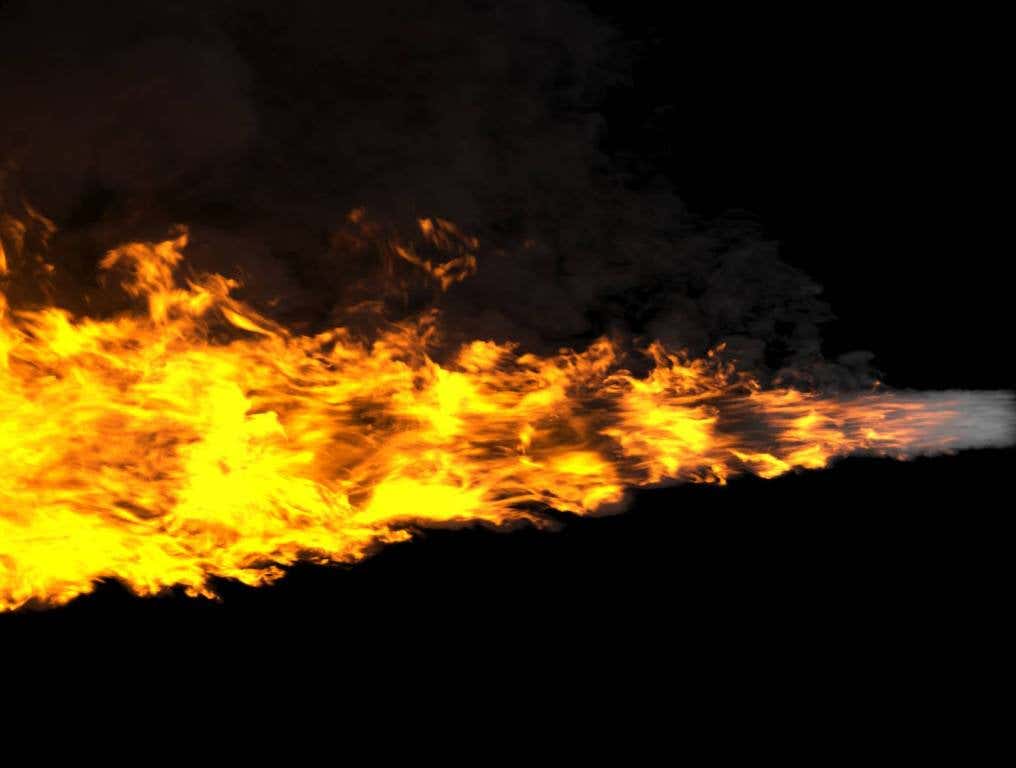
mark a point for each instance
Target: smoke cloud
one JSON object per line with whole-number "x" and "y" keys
{"x": 262, "y": 125}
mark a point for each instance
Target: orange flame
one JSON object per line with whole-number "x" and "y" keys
{"x": 198, "y": 438}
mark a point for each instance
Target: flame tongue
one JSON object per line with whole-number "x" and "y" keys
{"x": 138, "y": 448}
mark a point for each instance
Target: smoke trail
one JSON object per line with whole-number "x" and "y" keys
{"x": 985, "y": 419}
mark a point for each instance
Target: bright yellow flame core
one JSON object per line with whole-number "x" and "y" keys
{"x": 138, "y": 448}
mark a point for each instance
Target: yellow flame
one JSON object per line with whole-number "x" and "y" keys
{"x": 137, "y": 447}
{"x": 446, "y": 237}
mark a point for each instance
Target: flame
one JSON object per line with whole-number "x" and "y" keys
{"x": 193, "y": 438}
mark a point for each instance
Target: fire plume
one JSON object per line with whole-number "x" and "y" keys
{"x": 193, "y": 437}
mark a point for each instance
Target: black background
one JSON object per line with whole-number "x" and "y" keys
{"x": 866, "y": 146}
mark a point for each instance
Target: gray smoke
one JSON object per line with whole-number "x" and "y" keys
{"x": 955, "y": 420}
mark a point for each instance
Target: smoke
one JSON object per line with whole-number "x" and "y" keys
{"x": 984, "y": 419}
{"x": 262, "y": 125}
